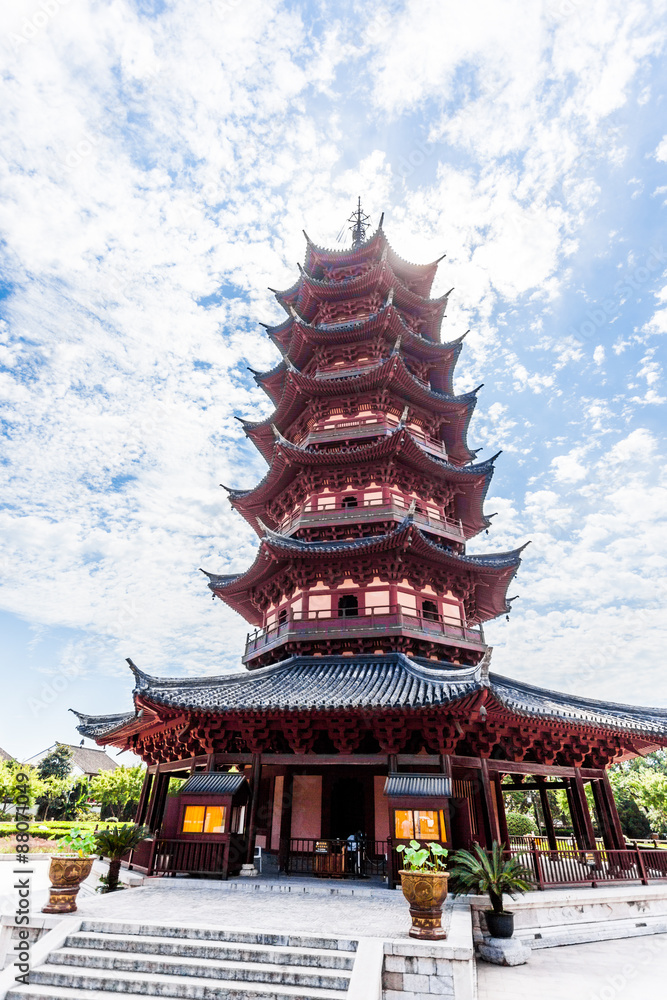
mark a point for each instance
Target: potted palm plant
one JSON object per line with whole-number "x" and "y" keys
{"x": 424, "y": 885}
{"x": 114, "y": 843}
{"x": 491, "y": 873}
{"x": 69, "y": 869}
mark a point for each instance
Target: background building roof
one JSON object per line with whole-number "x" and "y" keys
{"x": 88, "y": 760}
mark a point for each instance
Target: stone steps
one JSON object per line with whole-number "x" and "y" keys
{"x": 190, "y": 933}
{"x": 235, "y": 951}
{"x": 191, "y": 963}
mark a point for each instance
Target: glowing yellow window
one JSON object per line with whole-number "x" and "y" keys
{"x": 215, "y": 819}
{"x": 426, "y": 824}
{"x": 193, "y": 821}
{"x": 405, "y": 829}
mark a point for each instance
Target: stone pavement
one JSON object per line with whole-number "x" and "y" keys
{"x": 629, "y": 969}
{"x": 379, "y": 913}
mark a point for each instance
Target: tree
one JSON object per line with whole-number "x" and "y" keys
{"x": 519, "y": 824}
{"x": 53, "y": 796}
{"x": 57, "y": 763}
{"x": 6, "y": 783}
{"x": 10, "y": 786}
{"x": 640, "y": 790}
{"x": 118, "y": 791}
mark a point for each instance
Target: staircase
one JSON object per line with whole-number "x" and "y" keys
{"x": 137, "y": 960}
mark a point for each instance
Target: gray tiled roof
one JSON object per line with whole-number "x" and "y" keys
{"x": 337, "y": 682}
{"x": 389, "y": 681}
{"x": 372, "y": 543}
{"x": 417, "y": 785}
{"x": 213, "y": 782}
{"x": 97, "y": 725}
{"x": 531, "y": 701}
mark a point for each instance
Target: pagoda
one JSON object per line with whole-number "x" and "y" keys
{"x": 372, "y": 490}
{"x": 366, "y": 703}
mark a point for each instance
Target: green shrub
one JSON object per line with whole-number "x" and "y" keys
{"x": 49, "y": 830}
{"x": 519, "y": 825}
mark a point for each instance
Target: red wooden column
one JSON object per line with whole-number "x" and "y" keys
{"x": 582, "y": 804}
{"x": 286, "y": 818}
{"x": 143, "y": 798}
{"x": 612, "y": 811}
{"x": 574, "y": 813}
{"x": 603, "y": 814}
{"x": 254, "y": 802}
{"x": 491, "y": 826}
{"x": 150, "y": 811}
{"x": 502, "y": 819}
{"x": 546, "y": 812}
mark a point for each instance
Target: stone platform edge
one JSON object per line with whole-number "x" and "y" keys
{"x": 417, "y": 970}
{"x": 556, "y": 917}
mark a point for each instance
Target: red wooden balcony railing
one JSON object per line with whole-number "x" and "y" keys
{"x": 351, "y": 430}
{"x": 190, "y": 855}
{"x": 313, "y": 625}
{"x": 372, "y": 510}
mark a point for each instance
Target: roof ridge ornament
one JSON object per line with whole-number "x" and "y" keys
{"x": 484, "y": 665}
{"x": 360, "y": 223}
{"x": 139, "y": 674}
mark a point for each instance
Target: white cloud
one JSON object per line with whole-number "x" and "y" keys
{"x": 156, "y": 176}
{"x": 569, "y": 468}
{"x": 661, "y": 150}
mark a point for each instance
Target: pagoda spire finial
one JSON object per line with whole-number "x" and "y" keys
{"x": 360, "y": 223}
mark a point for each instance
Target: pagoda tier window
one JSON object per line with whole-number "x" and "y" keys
{"x": 282, "y": 617}
{"x": 348, "y": 606}
{"x": 349, "y": 501}
{"x": 430, "y": 611}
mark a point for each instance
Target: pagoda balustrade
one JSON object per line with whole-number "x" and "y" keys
{"x": 347, "y": 324}
{"x": 368, "y": 427}
{"x": 381, "y": 621}
{"x": 343, "y": 371}
{"x": 372, "y": 510}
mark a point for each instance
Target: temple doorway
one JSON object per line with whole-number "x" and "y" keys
{"x": 348, "y": 813}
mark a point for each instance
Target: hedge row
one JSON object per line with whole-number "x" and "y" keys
{"x": 53, "y": 830}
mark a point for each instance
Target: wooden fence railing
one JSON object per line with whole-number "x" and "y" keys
{"x": 333, "y": 858}
{"x": 598, "y": 867}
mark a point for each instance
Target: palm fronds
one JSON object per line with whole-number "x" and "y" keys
{"x": 482, "y": 871}
{"x": 114, "y": 842}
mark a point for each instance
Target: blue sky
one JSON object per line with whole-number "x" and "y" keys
{"x": 159, "y": 163}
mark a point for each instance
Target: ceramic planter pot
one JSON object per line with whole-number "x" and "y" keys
{"x": 500, "y": 925}
{"x": 66, "y": 872}
{"x": 426, "y": 894}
